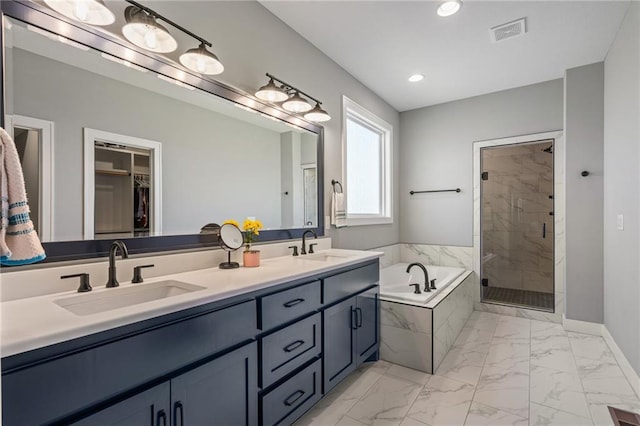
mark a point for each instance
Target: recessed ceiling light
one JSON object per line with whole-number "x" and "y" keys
{"x": 449, "y": 7}
{"x": 416, "y": 77}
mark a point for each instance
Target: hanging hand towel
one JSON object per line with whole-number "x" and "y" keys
{"x": 338, "y": 213}
{"x": 19, "y": 242}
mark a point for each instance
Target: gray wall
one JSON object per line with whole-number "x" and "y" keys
{"x": 622, "y": 187}
{"x": 437, "y": 153}
{"x": 583, "y": 130}
{"x": 208, "y": 159}
{"x": 251, "y": 41}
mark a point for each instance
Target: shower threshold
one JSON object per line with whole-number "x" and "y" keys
{"x": 520, "y": 298}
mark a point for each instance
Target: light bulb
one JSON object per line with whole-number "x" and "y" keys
{"x": 150, "y": 39}
{"x": 81, "y": 10}
{"x": 201, "y": 66}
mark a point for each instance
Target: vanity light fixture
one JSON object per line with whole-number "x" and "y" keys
{"x": 272, "y": 93}
{"x": 317, "y": 114}
{"x": 296, "y": 104}
{"x": 449, "y": 7}
{"x": 199, "y": 59}
{"x": 92, "y": 12}
{"x": 292, "y": 100}
{"x": 142, "y": 29}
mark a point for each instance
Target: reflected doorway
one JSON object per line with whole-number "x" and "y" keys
{"x": 517, "y": 225}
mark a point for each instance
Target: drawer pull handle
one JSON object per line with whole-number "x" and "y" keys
{"x": 161, "y": 415}
{"x": 292, "y": 303}
{"x": 354, "y": 319}
{"x": 358, "y": 317}
{"x": 293, "y": 398}
{"x": 293, "y": 346}
{"x": 178, "y": 407}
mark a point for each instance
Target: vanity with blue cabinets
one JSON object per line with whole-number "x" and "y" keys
{"x": 261, "y": 357}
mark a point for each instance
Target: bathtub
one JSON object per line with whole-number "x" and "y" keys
{"x": 394, "y": 282}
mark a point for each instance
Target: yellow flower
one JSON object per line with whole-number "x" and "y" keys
{"x": 231, "y": 221}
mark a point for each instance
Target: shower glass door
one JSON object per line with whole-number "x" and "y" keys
{"x": 517, "y": 225}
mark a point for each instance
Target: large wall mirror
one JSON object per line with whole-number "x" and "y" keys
{"x": 116, "y": 148}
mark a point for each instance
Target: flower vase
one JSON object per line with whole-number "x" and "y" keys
{"x": 251, "y": 258}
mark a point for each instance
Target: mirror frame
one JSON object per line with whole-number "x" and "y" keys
{"x": 40, "y": 16}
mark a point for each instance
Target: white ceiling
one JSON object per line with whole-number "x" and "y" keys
{"x": 381, "y": 43}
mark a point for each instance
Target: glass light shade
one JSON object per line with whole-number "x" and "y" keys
{"x": 296, "y": 104}
{"x": 317, "y": 114}
{"x": 271, "y": 93}
{"x": 449, "y": 7}
{"x": 142, "y": 30}
{"x": 92, "y": 12}
{"x": 200, "y": 60}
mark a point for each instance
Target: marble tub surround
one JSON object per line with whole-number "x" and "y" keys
{"x": 418, "y": 337}
{"x": 469, "y": 388}
{"x": 35, "y": 322}
{"x": 45, "y": 279}
{"x": 428, "y": 254}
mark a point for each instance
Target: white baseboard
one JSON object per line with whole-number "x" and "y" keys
{"x": 627, "y": 369}
{"x": 584, "y": 327}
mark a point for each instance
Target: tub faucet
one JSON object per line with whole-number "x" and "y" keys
{"x": 113, "y": 251}
{"x": 426, "y": 274}
{"x": 303, "y": 250}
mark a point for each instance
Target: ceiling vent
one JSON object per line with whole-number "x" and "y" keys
{"x": 508, "y": 30}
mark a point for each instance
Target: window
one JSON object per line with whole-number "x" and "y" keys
{"x": 367, "y": 163}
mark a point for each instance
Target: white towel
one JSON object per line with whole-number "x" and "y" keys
{"x": 338, "y": 213}
{"x": 19, "y": 242}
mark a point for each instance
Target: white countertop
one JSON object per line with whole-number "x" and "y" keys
{"x": 37, "y": 322}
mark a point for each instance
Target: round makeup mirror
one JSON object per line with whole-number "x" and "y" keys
{"x": 230, "y": 239}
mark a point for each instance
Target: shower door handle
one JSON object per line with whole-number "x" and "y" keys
{"x": 544, "y": 230}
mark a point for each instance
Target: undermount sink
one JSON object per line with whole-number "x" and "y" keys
{"x": 323, "y": 257}
{"x": 93, "y": 303}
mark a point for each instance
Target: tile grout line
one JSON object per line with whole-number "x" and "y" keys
{"x": 584, "y": 392}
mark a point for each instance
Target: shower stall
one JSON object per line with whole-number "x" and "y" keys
{"x": 517, "y": 225}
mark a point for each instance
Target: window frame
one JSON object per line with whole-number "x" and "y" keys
{"x": 351, "y": 109}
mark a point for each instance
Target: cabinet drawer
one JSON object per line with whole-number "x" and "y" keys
{"x": 343, "y": 285}
{"x": 289, "y": 348}
{"x": 77, "y": 381}
{"x": 286, "y": 305}
{"x": 291, "y": 399}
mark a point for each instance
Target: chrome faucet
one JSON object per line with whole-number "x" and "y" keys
{"x": 303, "y": 250}
{"x": 426, "y": 275}
{"x": 113, "y": 251}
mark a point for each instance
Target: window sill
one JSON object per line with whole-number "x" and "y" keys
{"x": 369, "y": 221}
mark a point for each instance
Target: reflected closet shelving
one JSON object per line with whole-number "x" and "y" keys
{"x": 122, "y": 191}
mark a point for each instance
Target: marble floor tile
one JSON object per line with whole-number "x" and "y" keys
{"x": 329, "y": 410}
{"x": 588, "y": 346}
{"x": 359, "y": 382}
{"x": 408, "y": 421}
{"x": 483, "y": 320}
{"x": 387, "y": 401}
{"x": 605, "y": 367}
{"x": 615, "y": 390}
{"x": 505, "y": 390}
{"x": 470, "y": 337}
{"x": 348, "y": 421}
{"x": 409, "y": 374}
{"x": 442, "y": 402}
{"x": 559, "y": 390}
{"x": 553, "y": 352}
{"x": 509, "y": 354}
{"x": 481, "y": 415}
{"x": 546, "y": 416}
{"x": 513, "y": 328}
{"x": 601, "y": 416}
{"x": 464, "y": 363}
{"x": 542, "y": 329}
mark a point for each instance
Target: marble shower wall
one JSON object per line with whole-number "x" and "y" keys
{"x": 461, "y": 257}
{"x": 516, "y": 202}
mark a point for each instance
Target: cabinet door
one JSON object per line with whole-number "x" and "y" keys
{"x": 221, "y": 392}
{"x": 367, "y": 320}
{"x": 150, "y": 407}
{"x": 339, "y": 325}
